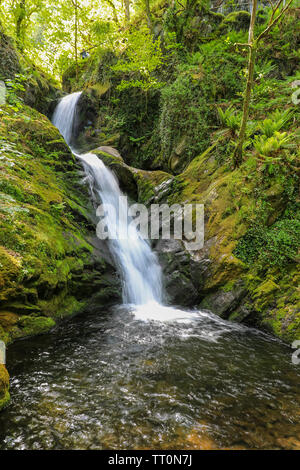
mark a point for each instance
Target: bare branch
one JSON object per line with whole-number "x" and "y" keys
{"x": 270, "y": 26}
{"x": 240, "y": 44}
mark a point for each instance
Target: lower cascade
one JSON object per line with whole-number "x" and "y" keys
{"x": 137, "y": 264}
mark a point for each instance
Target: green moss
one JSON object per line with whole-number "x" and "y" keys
{"x": 5, "y": 400}
{"x": 9, "y": 59}
{"x": 237, "y": 20}
{"x": 4, "y": 387}
{"x": 31, "y": 326}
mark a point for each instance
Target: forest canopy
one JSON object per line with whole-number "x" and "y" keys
{"x": 51, "y": 33}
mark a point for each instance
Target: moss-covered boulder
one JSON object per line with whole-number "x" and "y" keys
{"x": 4, "y": 387}
{"x": 235, "y": 21}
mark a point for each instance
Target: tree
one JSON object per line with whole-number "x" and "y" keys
{"x": 76, "y": 6}
{"x": 22, "y": 12}
{"x": 278, "y": 11}
{"x": 148, "y": 14}
{"x": 127, "y": 10}
{"x": 114, "y": 9}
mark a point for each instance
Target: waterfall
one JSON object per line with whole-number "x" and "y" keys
{"x": 138, "y": 266}
{"x": 65, "y": 115}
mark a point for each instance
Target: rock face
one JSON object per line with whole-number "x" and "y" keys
{"x": 9, "y": 59}
{"x": 50, "y": 263}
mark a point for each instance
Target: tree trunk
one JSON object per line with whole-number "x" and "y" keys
{"x": 21, "y": 15}
{"x": 76, "y": 36}
{"x": 127, "y": 10}
{"x": 115, "y": 13}
{"x": 148, "y": 14}
{"x": 238, "y": 152}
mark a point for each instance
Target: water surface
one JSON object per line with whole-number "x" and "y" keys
{"x": 118, "y": 379}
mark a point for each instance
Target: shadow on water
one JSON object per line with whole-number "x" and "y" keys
{"x": 116, "y": 379}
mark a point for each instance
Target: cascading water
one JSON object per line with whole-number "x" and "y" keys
{"x": 65, "y": 114}
{"x": 137, "y": 264}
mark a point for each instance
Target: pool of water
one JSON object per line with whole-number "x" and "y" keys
{"x": 117, "y": 378}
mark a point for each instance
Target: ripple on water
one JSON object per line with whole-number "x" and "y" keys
{"x": 122, "y": 378}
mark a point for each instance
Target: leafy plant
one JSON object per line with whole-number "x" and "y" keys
{"x": 14, "y": 90}
{"x": 262, "y": 70}
{"x": 266, "y": 146}
{"x": 277, "y": 121}
{"x": 142, "y": 56}
{"x": 229, "y": 119}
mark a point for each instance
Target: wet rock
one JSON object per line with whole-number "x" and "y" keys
{"x": 169, "y": 246}
{"x": 177, "y": 275}
{"x": 111, "y": 151}
{"x": 222, "y": 303}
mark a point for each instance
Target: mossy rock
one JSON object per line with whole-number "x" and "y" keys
{"x": 4, "y": 387}
{"x": 32, "y": 326}
{"x": 9, "y": 59}
{"x": 235, "y": 21}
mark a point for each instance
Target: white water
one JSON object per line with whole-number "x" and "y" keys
{"x": 64, "y": 116}
{"x": 137, "y": 264}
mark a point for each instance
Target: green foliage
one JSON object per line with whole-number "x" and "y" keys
{"x": 142, "y": 57}
{"x": 184, "y": 113}
{"x": 275, "y": 246}
{"x": 267, "y": 146}
{"x": 14, "y": 89}
{"x": 229, "y": 119}
{"x": 237, "y": 20}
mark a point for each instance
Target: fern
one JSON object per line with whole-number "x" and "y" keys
{"x": 267, "y": 146}
{"x": 275, "y": 123}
